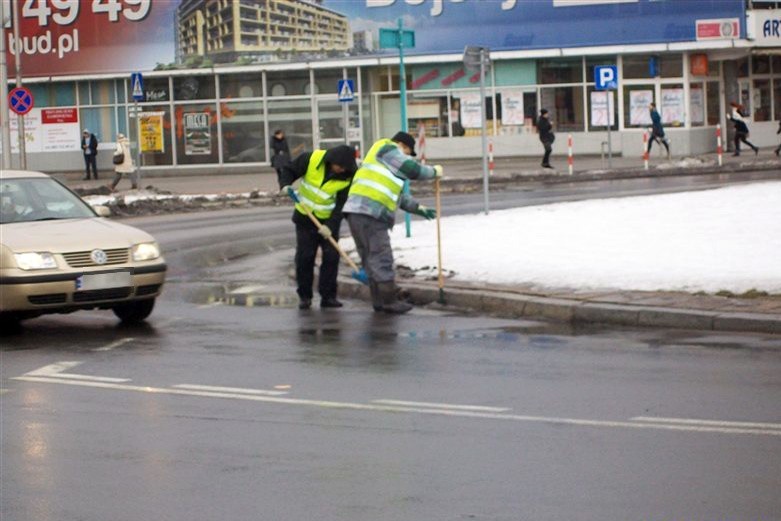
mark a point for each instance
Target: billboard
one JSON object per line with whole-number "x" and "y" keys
{"x": 62, "y": 37}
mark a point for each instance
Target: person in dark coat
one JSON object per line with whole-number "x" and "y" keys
{"x": 89, "y": 147}
{"x": 547, "y": 137}
{"x": 325, "y": 180}
{"x": 280, "y": 153}
{"x": 741, "y": 129}
{"x": 778, "y": 149}
{"x": 657, "y": 130}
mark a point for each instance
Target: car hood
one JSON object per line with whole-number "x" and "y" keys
{"x": 67, "y": 235}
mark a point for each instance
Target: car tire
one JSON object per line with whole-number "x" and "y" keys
{"x": 134, "y": 312}
{"x": 10, "y": 323}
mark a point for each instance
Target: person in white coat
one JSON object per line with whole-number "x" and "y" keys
{"x": 126, "y": 166}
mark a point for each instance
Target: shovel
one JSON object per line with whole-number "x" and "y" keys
{"x": 358, "y": 273}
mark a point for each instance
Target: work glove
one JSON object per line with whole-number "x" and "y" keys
{"x": 427, "y": 213}
{"x": 438, "y": 171}
{"x": 325, "y": 232}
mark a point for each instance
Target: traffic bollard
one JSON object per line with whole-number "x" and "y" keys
{"x": 719, "y": 150}
{"x": 569, "y": 153}
{"x": 645, "y": 150}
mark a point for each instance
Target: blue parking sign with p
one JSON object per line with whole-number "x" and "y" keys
{"x": 606, "y": 77}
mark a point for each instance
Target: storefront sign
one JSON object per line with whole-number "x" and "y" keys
{"x": 699, "y": 64}
{"x": 512, "y": 107}
{"x": 638, "y": 107}
{"x": 673, "y": 108}
{"x": 48, "y": 130}
{"x": 599, "y": 108}
{"x": 764, "y": 27}
{"x": 151, "y": 124}
{"x": 722, "y": 29}
{"x": 197, "y": 134}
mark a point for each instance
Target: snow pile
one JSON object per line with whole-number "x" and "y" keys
{"x": 723, "y": 239}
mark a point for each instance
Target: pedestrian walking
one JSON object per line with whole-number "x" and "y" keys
{"x": 89, "y": 147}
{"x": 547, "y": 137}
{"x": 657, "y": 130}
{"x": 123, "y": 163}
{"x": 778, "y": 148}
{"x": 741, "y": 128}
{"x": 325, "y": 179}
{"x": 280, "y": 153}
{"x": 370, "y": 210}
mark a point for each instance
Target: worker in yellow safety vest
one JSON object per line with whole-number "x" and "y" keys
{"x": 325, "y": 179}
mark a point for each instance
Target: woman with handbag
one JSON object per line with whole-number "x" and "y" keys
{"x": 123, "y": 163}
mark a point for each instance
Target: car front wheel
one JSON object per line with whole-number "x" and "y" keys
{"x": 134, "y": 312}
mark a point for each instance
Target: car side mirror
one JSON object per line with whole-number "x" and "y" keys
{"x": 102, "y": 211}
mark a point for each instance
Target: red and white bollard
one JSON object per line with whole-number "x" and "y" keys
{"x": 719, "y": 150}
{"x": 490, "y": 157}
{"x": 645, "y": 150}
{"x": 358, "y": 159}
{"x": 569, "y": 153}
{"x": 422, "y": 143}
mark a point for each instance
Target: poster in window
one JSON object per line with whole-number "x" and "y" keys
{"x": 673, "y": 108}
{"x": 599, "y": 108}
{"x": 638, "y": 107}
{"x": 697, "y": 101}
{"x": 197, "y": 134}
{"x": 512, "y": 107}
{"x": 151, "y": 125}
{"x": 471, "y": 116}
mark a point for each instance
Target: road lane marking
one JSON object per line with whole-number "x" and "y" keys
{"x": 452, "y": 406}
{"x": 406, "y": 409}
{"x": 691, "y": 421}
{"x": 56, "y": 371}
{"x": 238, "y": 390}
{"x": 3, "y": 391}
{"x": 112, "y": 345}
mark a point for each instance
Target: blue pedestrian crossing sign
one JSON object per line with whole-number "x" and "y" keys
{"x": 606, "y": 77}
{"x": 346, "y": 90}
{"x": 137, "y": 86}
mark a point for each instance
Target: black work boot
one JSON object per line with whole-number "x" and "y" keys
{"x": 390, "y": 303}
{"x": 330, "y": 302}
{"x": 305, "y": 303}
{"x": 376, "y": 297}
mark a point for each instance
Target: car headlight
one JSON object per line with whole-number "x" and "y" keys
{"x": 145, "y": 251}
{"x": 35, "y": 260}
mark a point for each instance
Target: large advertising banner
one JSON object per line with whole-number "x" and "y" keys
{"x": 63, "y": 37}
{"x": 48, "y": 130}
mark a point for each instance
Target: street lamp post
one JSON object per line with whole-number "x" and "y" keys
{"x": 5, "y": 127}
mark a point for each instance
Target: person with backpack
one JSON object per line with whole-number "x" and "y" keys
{"x": 741, "y": 129}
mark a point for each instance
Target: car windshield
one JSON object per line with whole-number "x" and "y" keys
{"x": 39, "y": 199}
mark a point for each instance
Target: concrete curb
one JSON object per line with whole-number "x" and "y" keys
{"x": 514, "y": 305}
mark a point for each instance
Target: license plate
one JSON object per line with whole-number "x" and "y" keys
{"x": 114, "y": 279}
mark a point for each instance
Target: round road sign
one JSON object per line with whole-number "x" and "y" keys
{"x": 20, "y": 100}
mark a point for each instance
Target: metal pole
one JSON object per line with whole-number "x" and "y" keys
{"x": 138, "y": 133}
{"x": 5, "y": 131}
{"x": 609, "y": 124}
{"x": 483, "y": 123}
{"x": 403, "y": 101}
{"x": 18, "y": 65}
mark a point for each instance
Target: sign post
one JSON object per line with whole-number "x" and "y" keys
{"x": 606, "y": 79}
{"x": 400, "y": 38}
{"x": 5, "y": 124}
{"x": 478, "y": 59}
{"x": 345, "y": 90}
{"x": 137, "y": 90}
{"x": 18, "y": 64}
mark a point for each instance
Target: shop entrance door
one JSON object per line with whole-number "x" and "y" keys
{"x": 330, "y": 129}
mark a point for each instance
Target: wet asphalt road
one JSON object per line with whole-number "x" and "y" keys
{"x": 222, "y": 412}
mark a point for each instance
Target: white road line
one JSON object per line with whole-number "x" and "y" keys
{"x": 688, "y": 421}
{"x": 229, "y": 389}
{"x": 443, "y": 406}
{"x": 210, "y": 305}
{"x": 400, "y": 409}
{"x": 3, "y": 391}
{"x": 112, "y": 345}
{"x": 56, "y": 371}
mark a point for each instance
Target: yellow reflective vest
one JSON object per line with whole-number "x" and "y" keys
{"x": 374, "y": 181}
{"x": 319, "y": 197}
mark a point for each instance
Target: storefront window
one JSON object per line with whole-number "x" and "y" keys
{"x": 84, "y": 93}
{"x": 742, "y": 64}
{"x": 760, "y": 64}
{"x": 515, "y": 109}
{"x": 53, "y": 94}
{"x": 194, "y": 88}
{"x": 243, "y": 135}
{"x": 714, "y": 107}
{"x": 637, "y": 66}
{"x": 671, "y": 65}
{"x": 103, "y": 92}
{"x": 598, "y": 115}
{"x": 636, "y": 101}
{"x": 196, "y": 134}
{"x": 248, "y": 85}
{"x": 327, "y": 80}
{"x": 596, "y": 61}
{"x": 776, "y": 65}
{"x": 294, "y": 116}
{"x": 566, "y": 107}
{"x": 761, "y": 100}
{"x": 288, "y": 83}
{"x": 777, "y": 97}
{"x": 468, "y": 107}
{"x": 697, "y": 104}
{"x": 155, "y": 90}
{"x": 429, "y": 110}
{"x": 672, "y": 105}
{"x": 101, "y": 122}
{"x": 560, "y": 71}
{"x": 157, "y": 148}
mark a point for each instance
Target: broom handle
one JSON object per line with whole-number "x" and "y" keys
{"x": 440, "y": 278}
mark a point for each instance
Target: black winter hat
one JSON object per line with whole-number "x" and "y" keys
{"x": 403, "y": 137}
{"x": 543, "y": 111}
{"x": 343, "y": 156}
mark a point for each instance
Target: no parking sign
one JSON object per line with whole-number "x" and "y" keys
{"x": 20, "y": 100}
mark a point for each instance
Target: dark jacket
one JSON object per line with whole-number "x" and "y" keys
{"x": 341, "y": 155}
{"x": 280, "y": 153}
{"x": 656, "y": 124}
{"x": 545, "y": 129}
{"x": 92, "y": 145}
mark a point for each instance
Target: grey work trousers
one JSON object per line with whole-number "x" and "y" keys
{"x": 372, "y": 239}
